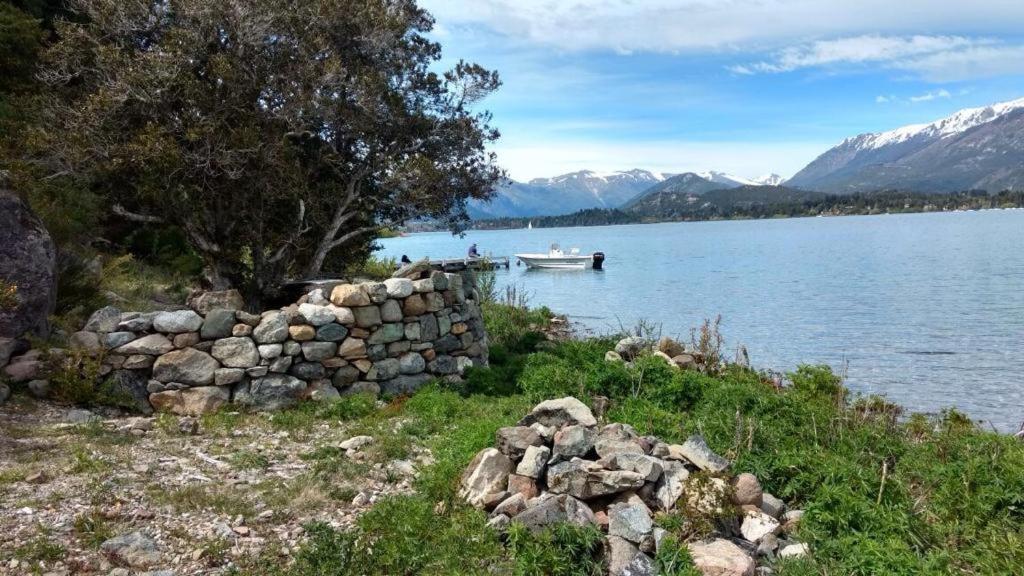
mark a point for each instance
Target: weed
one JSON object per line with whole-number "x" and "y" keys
{"x": 92, "y": 529}
{"x": 248, "y": 460}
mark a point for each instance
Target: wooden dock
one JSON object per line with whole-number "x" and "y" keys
{"x": 482, "y": 263}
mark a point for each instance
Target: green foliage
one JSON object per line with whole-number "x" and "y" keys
{"x": 8, "y": 296}
{"x": 307, "y": 414}
{"x": 93, "y": 529}
{"x": 373, "y": 268}
{"x": 563, "y": 550}
{"x": 517, "y": 329}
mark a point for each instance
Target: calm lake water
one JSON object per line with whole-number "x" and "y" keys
{"x": 926, "y": 309}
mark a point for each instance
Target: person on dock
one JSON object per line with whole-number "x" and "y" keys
{"x": 473, "y": 252}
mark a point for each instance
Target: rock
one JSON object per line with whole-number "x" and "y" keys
{"x": 191, "y": 401}
{"x": 153, "y": 345}
{"x": 317, "y": 315}
{"x": 513, "y": 441}
{"x": 560, "y": 412}
{"x": 352, "y": 348}
{"x": 387, "y": 333}
{"x": 642, "y": 565}
{"x": 398, "y": 287}
{"x": 28, "y": 261}
{"x": 720, "y": 558}
{"x": 302, "y": 332}
{"x": 80, "y": 416}
{"x": 384, "y": 369}
{"x": 411, "y": 363}
{"x": 423, "y": 286}
{"x": 269, "y": 351}
{"x": 573, "y": 440}
{"x": 241, "y": 330}
{"x": 129, "y": 386}
{"x": 281, "y": 364}
{"x": 342, "y": 315}
{"x": 443, "y": 364}
{"x": 133, "y": 550}
{"x": 746, "y": 490}
{"x": 791, "y": 519}
{"x": 187, "y": 366}
{"x": 535, "y": 459}
{"x": 24, "y": 368}
{"x": 39, "y": 388}
{"x": 236, "y": 352}
{"x": 177, "y": 321}
{"x": 671, "y": 485}
{"x": 617, "y": 439}
{"x": 632, "y": 346}
{"x": 757, "y": 525}
{"x": 670, "y": 347}
{"x": 413, "y": 270}
{"x": 219, "y": 323}
{"x": 138, "y": 362}
{"x": 362, "y": 388}
{"x": 331, "y": 333}
{"x": 105, "y": 319}
{"x": 415, "y": 305}
{"x": 404, "y": 384}
{"x": 647, "y": 466}
{"x": 545, "y": 511}
{"x": 137, "y": 323}
{"x": 696, "y": 451}
{"x": 270, "y": 392}
{"x": 631, "y": 522}
{"x": 272, "y": 328}
{"x": 247, "y": 318}
{"x": 798, "y": 550}
{"x": 87, "y": 341}
{"x": 587, "y": 480}
{"x": 499, "y": 523}
{"x": 307, "y": 370}
{"x": 486, "y": 475}
{"x": 771, "y": 505}
{"x": 367, "y": 316}
{"x": 356, "y": 442}
{"x": 228, "y": 376}
{"x": 391, "y": 311}
{"x": 345, "y": 376}
{"x": 187, "y": 339}
{"x": 412, "y": 331}
{"x": 621, "y": 554}
{"x": 612, "y": 356}
{"x": 318, "y": 351}
{"x": 204, "y": 302}
{"x": 510, "y": 506}
{"x": 377, "y": 291}
{"x": 117, "y": 339}
{"x": 349, "y": 295}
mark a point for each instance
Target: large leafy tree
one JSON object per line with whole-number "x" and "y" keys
{"x": 279, "y": 135}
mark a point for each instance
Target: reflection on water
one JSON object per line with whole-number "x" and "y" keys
{"x": 927, "y": 309}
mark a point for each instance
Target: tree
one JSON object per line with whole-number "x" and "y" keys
{"x": 278, "y": 135}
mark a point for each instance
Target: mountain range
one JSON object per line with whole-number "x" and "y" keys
{"x": 973, "y": 149}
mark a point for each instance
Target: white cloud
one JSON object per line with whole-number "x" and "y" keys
{"x": 940, "y": 94}
{"x": 526, "y": 159}
{"x": 883, "y": 99}
{"x": 861, "y": 50}
{"x": 972, "y": 63}
{"x": 928, "y": 96}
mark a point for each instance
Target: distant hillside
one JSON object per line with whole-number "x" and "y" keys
{"x": 669, "y": 204}
{"x": 976, "y": 148}
{"x": 565, "y": 194}
{"x": 687, "y": 183}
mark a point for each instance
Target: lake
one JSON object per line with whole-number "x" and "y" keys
{"x": 926, "y": 309}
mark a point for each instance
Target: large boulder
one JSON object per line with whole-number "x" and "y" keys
{"x": 236, "y": 352}
{"x": 28, "y": 261}
{"x": 177, "y": 321}
{"x": 720, "y": 558}
{"x": 697, "y": 451}
{"x": 187, "y": 366}
{"x": 128, "y": 388}
{"x": 559, "y": 413}
{"x": 513, "y": 441}
{"x": 134, "y": 550}
{"x": 485, "y": 477}
{"x": 551, "y": 509}
{"x": 588, "y": 480}
{"x": 204, "y": 302}
{"x": 271, "y": 392}
{"x": 154, "y": 345}
{"x": 271, "y": 329}
{"x": 191, "y": 401}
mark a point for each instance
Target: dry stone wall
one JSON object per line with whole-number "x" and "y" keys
{"x": 386, "y": 337}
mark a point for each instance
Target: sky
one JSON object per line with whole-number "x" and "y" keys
{"x": 748, "y": 87}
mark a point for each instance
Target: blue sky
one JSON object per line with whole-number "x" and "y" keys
{"x": 743, "y": 86}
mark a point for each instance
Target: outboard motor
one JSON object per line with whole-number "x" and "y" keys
{"x": 598, "y": 260}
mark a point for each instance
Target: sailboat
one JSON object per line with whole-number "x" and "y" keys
{"x": 529, "y": 225}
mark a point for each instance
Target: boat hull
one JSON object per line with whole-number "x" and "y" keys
{"x": 556, "y": 262}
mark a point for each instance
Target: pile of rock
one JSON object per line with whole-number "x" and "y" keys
{"x": 558, "y": 465}
{"x": 632, "y": 347}
{"x": 389, "y": 337}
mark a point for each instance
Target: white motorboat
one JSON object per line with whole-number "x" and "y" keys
{"x": 556, "y": 258}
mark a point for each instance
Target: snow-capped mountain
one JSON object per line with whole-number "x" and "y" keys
{"x": 565, "y": 194}
{"x": 770, "y": 180}
{"x": 975, "y": 148}
{"x": 725, "y": 178}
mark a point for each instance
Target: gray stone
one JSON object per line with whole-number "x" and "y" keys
{"x": 308, "y": 370}
{"x": 439, "y": 280}
{"x": 535, "y": 459}
{"x": 218, "y": 324}
{"x": 227, "y": 376}
{"x": 412, "y": 331}
{"x": 413, "y": 270}
{"x": 797, "y": 550}
{"x": 387, "y": 333}
{"x": 322, "y": 391}
{"x": 377, "y": 352}
{"x": 405, "y": 384}
{"x": 398, "y": 287}
{"x": 269, "y": 351}
{"x": 318, "y": 351}
{"x": 442, "y": 364}
{"x": 721, "y": 558}
{"x": 133, "y": 550}
{"x": 88, "y": 341}
{"x": 273, "y": 328}
{"x": 573, "y": 440}
{"x": 187, "y": 366}
{"x": 630, "y": 521}
{"x": 177, "y": 321}
{"x": 331, "y": 332}
{"x": 447, "y": 343}
{"x": 423, "y": 286}
{"x": 398, "y": 348}
{"x": 632, "y": 346}
{"x": 130, "y": 388}
{"x": 428, "y": 328}
{"x": 621, "y": 554}
{"x": 617, "y": 439}
{"x": 391, "y": 311}
{"x": 271, "y": 392}
{"x": 671, "y": 485}
{"x": 80, "y": 416}
{"x": 291, "y": 348}
{"x": 377, "y": 291}
{"x": 411, "y": 363}
{"x": 696, "y": 451}
{"x": 648, "y": 466}
{"x": 117, "y": 339}
{"x": 281, "y": 364}
{"x": 756, "y": 525}
{"x": 434, "y": 301}
{"x": 213, "y": 299}
{"x": 641, "y": 565}
{"x": 444, "y": 325}
{"x": 587, "y": 480}
{"x": 316, "y": 315}
{"x": 352, "y": 348}
{"x": 342, "y": 315}
{"x": 513, "y": 441}
{"x": 551, "y": 509}
{"x": 247, "y": 318}
{"x": 140, "y": 323}
{"x": 39, "y": 388}
{"x": 485, "y": 476}
{"x": 236, "y": 352}
{"x": 345, "y": 376}
{"x": 105, "y": 319}
{"x": 560, "y": 412}
{"x": 154, "y": 345}
{"x": 771, "y": 505}
{"x": 384, "y": 369}
{"x": 362, "y": 388}
{"x": 367, "y": 316}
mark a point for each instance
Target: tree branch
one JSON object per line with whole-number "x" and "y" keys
{"x": 134, "y": 216}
